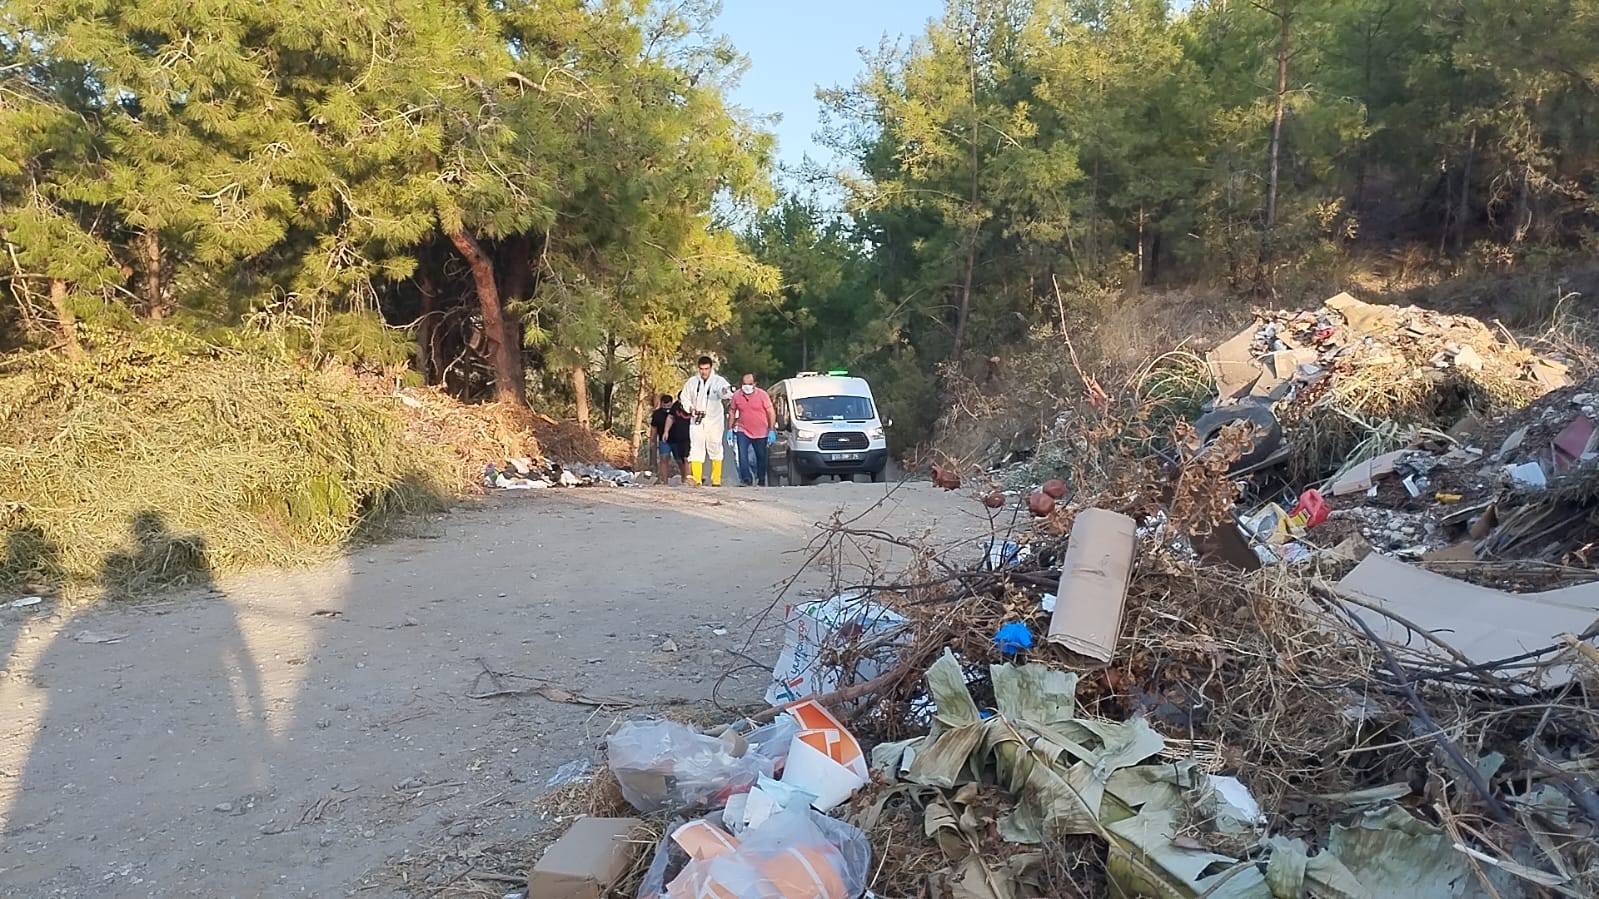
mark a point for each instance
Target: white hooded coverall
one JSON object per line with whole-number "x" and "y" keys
{"x": 706, "y": 395}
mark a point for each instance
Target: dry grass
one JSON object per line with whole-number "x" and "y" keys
{"x": 992, "y": 414}
{"x": 472, "y": 435}
{"x": 570, "y": 442}
{"x": 156, "y": 462}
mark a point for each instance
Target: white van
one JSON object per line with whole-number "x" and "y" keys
{"x": 827, "y": 426}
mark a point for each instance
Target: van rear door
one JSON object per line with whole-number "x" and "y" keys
{"x": 777, "y": 455}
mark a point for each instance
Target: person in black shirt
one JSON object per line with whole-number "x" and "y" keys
{"x": 669, "y": 433}
{"x": 678, "y": 435}
{"x": 661, "y": 437}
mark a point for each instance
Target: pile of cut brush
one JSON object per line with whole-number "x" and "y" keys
{"x": 158, "y": 458}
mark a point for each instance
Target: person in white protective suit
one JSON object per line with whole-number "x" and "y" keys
{"x": 703, "y": 396}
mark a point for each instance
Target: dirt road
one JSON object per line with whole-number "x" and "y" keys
{"x": 310, "y": 733}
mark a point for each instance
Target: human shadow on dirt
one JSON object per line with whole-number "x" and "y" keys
{"x": 31, "y": 569}
{"x": 219, "y": 754}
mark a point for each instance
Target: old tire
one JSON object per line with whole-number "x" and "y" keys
{"x": 1268, "y": 434}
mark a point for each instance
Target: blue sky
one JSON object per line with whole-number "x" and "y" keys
{"x": 796, "y": 47}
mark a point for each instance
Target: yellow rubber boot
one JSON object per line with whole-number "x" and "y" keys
{"x": 716, "y": 472}
{"x": 695, "y": 469}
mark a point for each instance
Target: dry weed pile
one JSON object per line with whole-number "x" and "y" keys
{"x": 472, "y": 434}
{"x": 158, "y": 461}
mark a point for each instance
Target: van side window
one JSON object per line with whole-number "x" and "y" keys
{"x": 780, "y": 403}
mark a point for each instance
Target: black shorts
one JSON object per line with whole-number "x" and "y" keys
{"x": 680, "y": 450}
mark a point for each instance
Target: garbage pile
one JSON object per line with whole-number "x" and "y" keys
{"x": 746, "y": 810}
{"x": 1422, "y": 434}
{"x": 525, "y": 474}
{"x": 1284, "y": 352}
{"x": 1516, "y": 488}
{"x": 1186, "y": 670}
{"x": 1077, "y": 709}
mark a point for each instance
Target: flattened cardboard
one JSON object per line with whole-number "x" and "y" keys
{"x": 1224, "y": 545}
{"x": 1549, "y": 374}
{"x": 1468, "y": 425}
{"x": 1464, "y": 551}
{"x": 1362, "y": 318}
{"x": 586, "y": 861}
{"x": 1233, "y": 365}
{"x": 1093, "y": 583}
{"x": 1361, "y": 478}
{"x": 1482, "y": 623}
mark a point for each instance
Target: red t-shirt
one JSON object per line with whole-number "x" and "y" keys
{"x": 753, "y": 420}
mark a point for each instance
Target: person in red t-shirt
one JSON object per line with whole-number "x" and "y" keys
{"x": 754, "y": 418}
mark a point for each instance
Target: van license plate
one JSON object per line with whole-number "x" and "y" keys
{"x": 846, "y": 457}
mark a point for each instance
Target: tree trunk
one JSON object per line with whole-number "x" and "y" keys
{"x": 155, "y": 303}
{"x": 580, "y": 390}
{"x": 516, "y": 265}
{"x": 642, "y": 402}
{"x": 608, "y": 388}
{"x": 1464, "y": 209}
{"x": 965, "y": 308}
{"x": 505, "y": 354}
{"x": 1284, "y": 18}
{"x": 1524, "y": 211}
{"x": 426, "y": 324}
{"x": 66, "y": 325}
{"x": 515, "y": 261}
{"x": 1140, "y": 251}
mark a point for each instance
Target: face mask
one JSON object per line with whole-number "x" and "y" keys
{"x": 749, "y": 389}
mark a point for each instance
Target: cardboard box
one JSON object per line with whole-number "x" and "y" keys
{"x": 1233, "y": 365}
{"x": 1093, "y": 583}
{"x": 586, "y": 861}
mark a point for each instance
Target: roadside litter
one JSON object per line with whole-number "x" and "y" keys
{"x": 525, "y": 474}
{"x": 587, "y": 861}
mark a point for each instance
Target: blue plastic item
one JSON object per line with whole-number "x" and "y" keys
{"x": 771, "y": 437}
{"x": 1013, "y": 638}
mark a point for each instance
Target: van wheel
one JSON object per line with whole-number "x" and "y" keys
{"x": 877, "y": 475}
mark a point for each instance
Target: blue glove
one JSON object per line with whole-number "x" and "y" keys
{"x": 771, "y": 437}
{"x": 1013, "y": 637}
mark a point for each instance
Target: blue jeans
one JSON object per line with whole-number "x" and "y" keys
{"x": 751, "y": 459}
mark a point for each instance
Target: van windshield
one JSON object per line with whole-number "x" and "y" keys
{"x": 833, "y": 408}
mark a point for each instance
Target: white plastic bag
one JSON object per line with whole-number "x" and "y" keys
{"x": 773, "y": 740}
{"x": 663, "y": 765}
{"x": 795, "y": 854}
